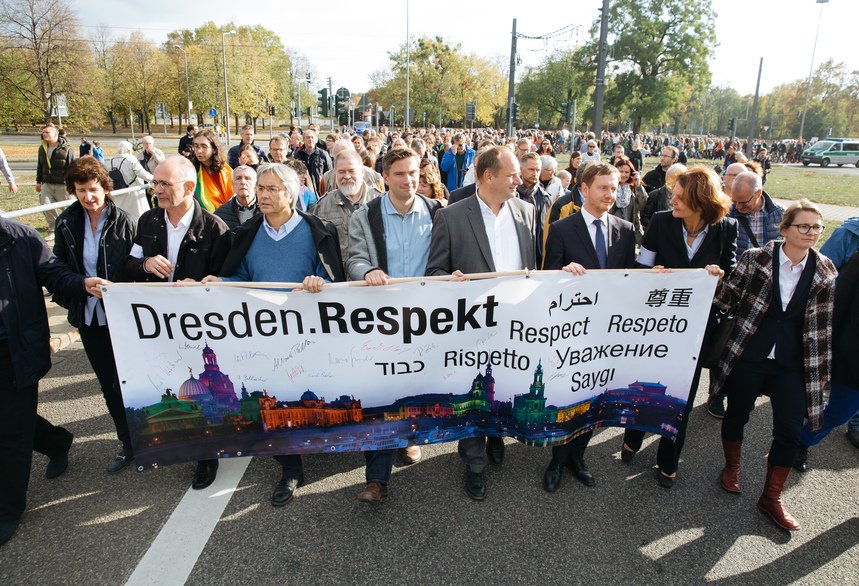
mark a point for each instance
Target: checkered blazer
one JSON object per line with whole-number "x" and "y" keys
{"x": 749, "y": 290}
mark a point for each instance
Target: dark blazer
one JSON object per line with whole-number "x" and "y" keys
{"x": 324, "y": 238}
{"x": 459, "y": 240}
{"x": 201, "y": 253}
{"x": 664, "y": 236}
{"x": 845, "y": 322}
{"x": 117, "y": 237}
{"x": 569, "y": 241}
{"x": 461, "y": 193}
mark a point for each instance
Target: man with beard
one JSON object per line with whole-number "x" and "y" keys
{"x": 656, "y": 177}
{"x": 337, "y": 206}
{"x": 531, "y": 191}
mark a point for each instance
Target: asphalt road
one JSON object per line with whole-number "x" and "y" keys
{"x": 88, "y": 527}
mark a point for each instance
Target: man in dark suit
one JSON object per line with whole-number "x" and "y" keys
{"x": 490, "y": 232}
{"x": 589, "y": 239}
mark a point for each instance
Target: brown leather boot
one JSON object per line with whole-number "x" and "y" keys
{"x": 770, "y": 501}
{"x": 731, "y": 471}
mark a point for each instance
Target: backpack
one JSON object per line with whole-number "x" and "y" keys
{"x": 116, "y": 176}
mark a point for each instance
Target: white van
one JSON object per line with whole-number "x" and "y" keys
{"x": 837, "y": 151}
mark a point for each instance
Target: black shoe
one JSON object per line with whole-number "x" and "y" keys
{"x": 495, "y": 450}
{"x": 853, "y": 436}
{"x": 800, "y": 462}
{"x": 475, "y": 486}
{"x": 626, "y": 454}
{"x": 285, "y": 490}
{"x": 58, "y": 464}
{"x": 717, "y": 407}
{"x": 205, "y": 475}
{"x": 123, "y": 459}
{"x": 552, "y": 477}
{"x": 664, "y": 480}
{"x": 581, "y": 471}
{"x": 7, "y": 530}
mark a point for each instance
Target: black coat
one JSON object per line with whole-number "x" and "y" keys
{"x": 845, "y": 321}
{"x": 117, "y": 238}
{"x": 201, "y": 253}
{"x": 664, "y": 236}
{"x": 569, "y": 241}
{"x": 461, "y": 193}
{"x": 324, "y": 238}
{"x": 229, "y": 213}
{"x": 27, "y": 264}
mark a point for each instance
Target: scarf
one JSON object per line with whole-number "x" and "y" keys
{"x": 213, "y": 189}
{"x": 624, "y": 196}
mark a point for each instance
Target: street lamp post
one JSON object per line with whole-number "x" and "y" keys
{"x": 811, "y": 69}
{"x": 187, "y": 91}
{"x": 226, "y": 98}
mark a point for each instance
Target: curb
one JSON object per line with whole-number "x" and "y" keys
{"x": 62, "y": 332}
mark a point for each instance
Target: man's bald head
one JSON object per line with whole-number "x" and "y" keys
{"x": 732, "y": 171}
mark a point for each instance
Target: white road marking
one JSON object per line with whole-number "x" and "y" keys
{"x": 175, "y": 551}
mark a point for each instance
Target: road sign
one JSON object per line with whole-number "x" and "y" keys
{"x": 213, "y": 112}
{"x": 59, "y": 106}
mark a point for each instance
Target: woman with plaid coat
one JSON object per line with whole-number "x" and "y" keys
{"x": 783, "y": 296}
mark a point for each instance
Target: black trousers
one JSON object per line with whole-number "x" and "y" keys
{"x": 786, "y": 389}
{"x": 22, "y": 430}
{"x": 99, "y": 351}
{"x": 291, "y": 466}
{"x": 574, "y": 448}
{"x": 668, "y": 454}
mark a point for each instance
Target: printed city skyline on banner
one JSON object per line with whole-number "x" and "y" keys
{"x": 542, "y": 375}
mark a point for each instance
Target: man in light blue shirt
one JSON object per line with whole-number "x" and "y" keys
{"x": 389, "y": 237}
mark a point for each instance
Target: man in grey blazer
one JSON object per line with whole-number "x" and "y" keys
{"x": 491, "y": 231}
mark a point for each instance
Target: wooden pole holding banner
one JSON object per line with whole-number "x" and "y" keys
{"x": 391, "y": 281}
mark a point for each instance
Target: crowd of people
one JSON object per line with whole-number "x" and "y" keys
{"x": 375, "y": 206}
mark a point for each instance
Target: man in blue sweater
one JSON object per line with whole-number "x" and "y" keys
{"x": 283, "y": 245}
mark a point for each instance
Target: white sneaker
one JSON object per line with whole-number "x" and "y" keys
{"x": 49, "y": 236}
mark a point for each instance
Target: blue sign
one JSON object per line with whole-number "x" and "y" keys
{"x": 213, "y": 112}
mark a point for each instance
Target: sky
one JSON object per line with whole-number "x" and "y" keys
{"x": 349, "y": 40}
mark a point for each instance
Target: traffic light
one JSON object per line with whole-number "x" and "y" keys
{"x": 627, "y": 123}
{"x": 565, "y": 112}
{"x": 272, "y": 111}
{"x": 339, "y": 106}
{"x": 731, "y": 123}
{"x": 515, "y": 111}
{"x": 323, "y": 102}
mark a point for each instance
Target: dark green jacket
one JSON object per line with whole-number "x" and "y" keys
{"x": 61, "y": 158}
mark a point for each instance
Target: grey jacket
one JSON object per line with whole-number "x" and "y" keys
{"x": 330, "y": 208}
{"x": 367, "y": 238}
{"x": 459, "y": 240}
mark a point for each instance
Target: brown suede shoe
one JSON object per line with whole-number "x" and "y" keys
{"x": 373, "y": 493}
{"x": 411, "y": 454}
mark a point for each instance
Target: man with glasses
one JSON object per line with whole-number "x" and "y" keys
{"x": 176, "y": 241}
{"x": 656, "y": 177}
{"x": 353, "y": 192}
{"x": 283, "y": 245}
{"x": 278, "y": 149}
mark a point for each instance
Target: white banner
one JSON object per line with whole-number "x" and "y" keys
{"x": 231, "y": 371}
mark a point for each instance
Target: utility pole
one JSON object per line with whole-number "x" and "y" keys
{"x": 599, "y": 90}
{"x": 753, "y": 121}
{"x": 511, "y": 87}
{"x": 330, "y": 103}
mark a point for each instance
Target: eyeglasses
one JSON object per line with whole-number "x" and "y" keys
{"x": 806, "y": 228}
{"x": 747, "y": 202}
{"x": 162, "y": 184}
{"x": 273, "y": 189}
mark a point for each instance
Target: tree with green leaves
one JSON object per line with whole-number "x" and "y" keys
{"x": 560, "y": 78}
{"x": 658, "y": 55}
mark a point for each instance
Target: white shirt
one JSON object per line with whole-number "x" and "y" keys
{"x": 788, "y": 279}
{"x": 175, "y": 235}
{"x": 592, "y": 229}
{"x": 284, "y": 230}
{"x": 503, "y": 238}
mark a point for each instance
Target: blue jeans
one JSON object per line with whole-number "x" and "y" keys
{"x": 843, "y": 405}
{"x": 379, "y": 464}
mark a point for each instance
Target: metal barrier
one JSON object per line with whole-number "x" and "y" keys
{"x": 62, "y": 204}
